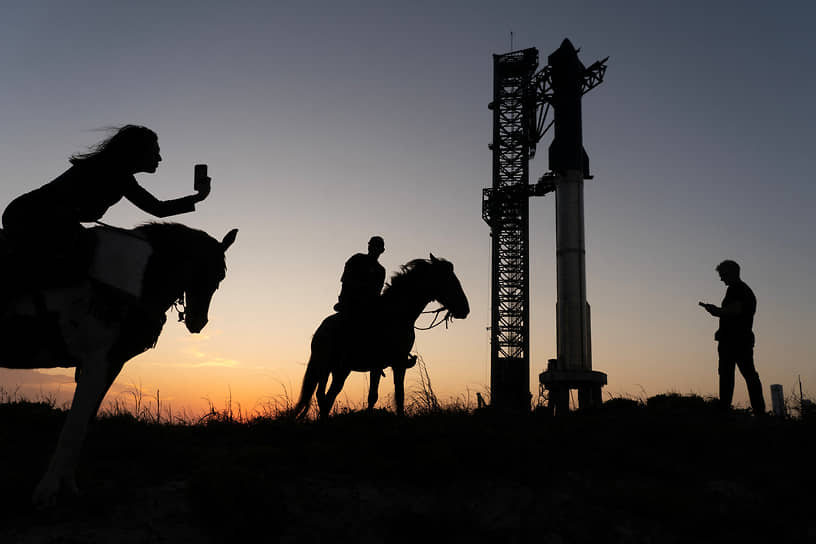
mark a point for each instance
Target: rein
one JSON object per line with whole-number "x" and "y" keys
{"x": 180, "y": 306}
{"x": 434, "y": 322}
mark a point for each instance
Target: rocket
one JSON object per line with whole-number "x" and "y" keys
{"x": 567, "y": 76}
{"x": 569, "y": 160}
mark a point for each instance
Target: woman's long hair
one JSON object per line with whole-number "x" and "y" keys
{"x": 126, "y": 142}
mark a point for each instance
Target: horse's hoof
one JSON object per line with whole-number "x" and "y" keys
{"x": 50, "y": 489}
{"x": 45, "y": 494}
{"x": 43, "y": 501}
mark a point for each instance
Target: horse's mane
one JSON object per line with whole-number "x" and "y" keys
{"x": 399, "y": 278}
{"x": 177, "y": 238}
{"x": 169, "y": 229}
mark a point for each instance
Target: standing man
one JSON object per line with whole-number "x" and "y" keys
{"x": 363, "y": 278}
{"x": 736, "y": 337}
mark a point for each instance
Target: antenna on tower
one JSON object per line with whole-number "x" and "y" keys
{"x": 511, "y": 40}
{"x": 801, "y": 399}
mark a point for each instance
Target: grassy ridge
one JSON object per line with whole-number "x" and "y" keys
{"x": 670, "y": 470}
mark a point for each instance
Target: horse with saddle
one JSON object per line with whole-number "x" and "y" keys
{"x": 384, "y": 338}
{"x": 104, "y": 317}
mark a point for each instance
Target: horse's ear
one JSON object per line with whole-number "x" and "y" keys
{"x": 433, "y": 259}
{"x": 229, "y": 239}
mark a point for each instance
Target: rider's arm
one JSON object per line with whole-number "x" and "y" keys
{"x": 346, "y": 273}
{"x": 351, "y": 270}
{"x": 139, "y": 196}
{"x": 380, "y": 279}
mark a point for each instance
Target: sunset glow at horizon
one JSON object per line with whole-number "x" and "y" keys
{"x": 325, "y": 123}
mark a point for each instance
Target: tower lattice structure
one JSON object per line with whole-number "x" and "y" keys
{"x": 506, "y": 209}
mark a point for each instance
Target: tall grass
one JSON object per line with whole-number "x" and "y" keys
{"x": 14, "y": 396}
{"x": 136, "y": 404}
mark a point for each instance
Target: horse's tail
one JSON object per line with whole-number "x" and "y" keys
{"x": 310, "y": 380}
{"x": 317, "y": 370}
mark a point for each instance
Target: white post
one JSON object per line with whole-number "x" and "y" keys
{"x": 778, "y": 400}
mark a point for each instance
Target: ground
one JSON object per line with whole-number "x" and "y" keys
{"x": 676, "y": 470}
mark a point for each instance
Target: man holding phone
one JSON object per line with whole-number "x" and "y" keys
{"x": 736, "y": 337}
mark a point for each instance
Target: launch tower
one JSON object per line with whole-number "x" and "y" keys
{"x": 522, "y": 98}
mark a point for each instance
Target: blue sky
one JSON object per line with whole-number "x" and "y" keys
{"x": 326, "y": 122}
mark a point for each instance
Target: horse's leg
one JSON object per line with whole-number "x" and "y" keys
{"x": 112, "y": 372}
{"x": 311, "y": 379}
{"x": 90, "y": 388}
{"x": 399, "y": 388}
{"x": 373, "y": 388}
{"x": 321, "y": 388}
{"x": 338, "y": 379}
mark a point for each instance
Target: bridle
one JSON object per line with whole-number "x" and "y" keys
{"x": 434, "y": 323}
{"x": 181, "y": 308}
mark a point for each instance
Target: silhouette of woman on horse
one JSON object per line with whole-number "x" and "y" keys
{"x": 45, "y": 224}
{"x": 77, "y": 324}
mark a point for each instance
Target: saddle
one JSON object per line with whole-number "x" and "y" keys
{"x": 110, "y": 257}
{"x": 360, "y": 319}
{"x": 31, "y": 306}
{"x": 365, "y": 328}
{"x": 119, "y": 259}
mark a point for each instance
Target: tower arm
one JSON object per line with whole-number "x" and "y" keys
{"x": 594, "y": 74}
{"x": 542, "y": 94}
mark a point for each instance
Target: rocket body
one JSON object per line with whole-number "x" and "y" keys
{"x": 569, "y": 160}
{"x": 572, "y": 319}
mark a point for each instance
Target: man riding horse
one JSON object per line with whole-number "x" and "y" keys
{"x": 363, "y": 279}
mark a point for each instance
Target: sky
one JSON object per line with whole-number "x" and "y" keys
{"x": 324, "y": 123}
